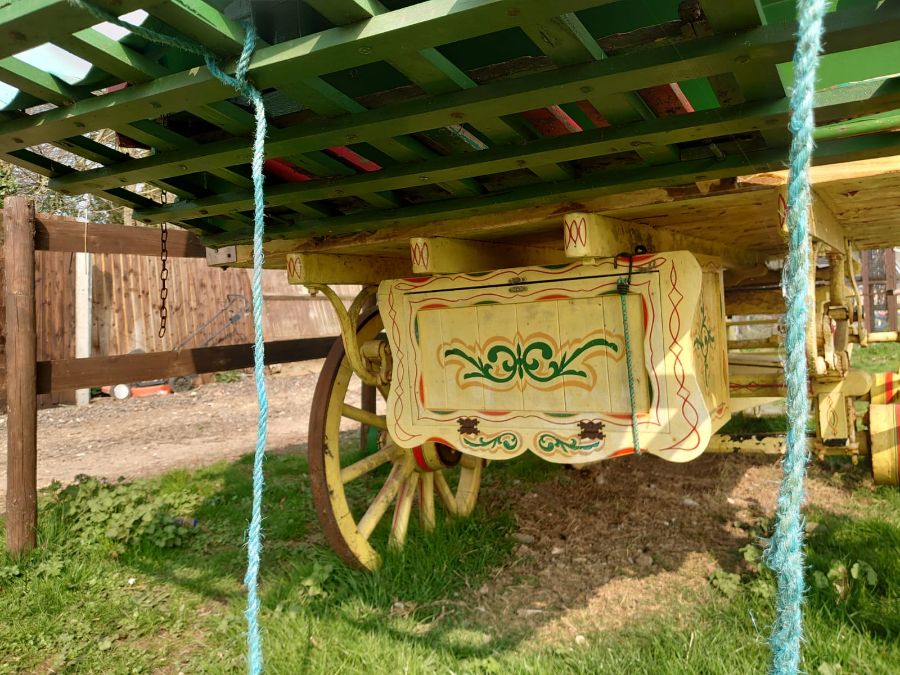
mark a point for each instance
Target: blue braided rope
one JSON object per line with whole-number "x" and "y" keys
{"x": 785, "y": 553}
{"x": 239, "y": 82}
{"x": 635, "y": 437}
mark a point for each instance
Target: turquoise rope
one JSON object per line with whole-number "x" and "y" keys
{"x": 785, "y": 553}
{"x": 635, "y": 437}
{"x": 239, "y": 82}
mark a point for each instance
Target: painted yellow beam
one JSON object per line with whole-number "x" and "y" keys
{"x": 327, "y": 268}
{"x": 442, "y": 255}
{"x": 594, "y": 235}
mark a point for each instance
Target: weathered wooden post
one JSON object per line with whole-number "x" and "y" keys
{"x": 21, "y": 447}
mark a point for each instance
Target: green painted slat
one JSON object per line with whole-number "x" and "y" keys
{"x": 646, "y": 68}
{"x": 567, "y": 42}
{"x": 38, "y": 83}
{"x": 835, "y": 105}
{"x": 340, "y": 12}
{"x": 390, "y": 35}
{"x": 579, "y": 190}
{"x": 203, "y": 23}
{"x": 754, "y": 82}
{"x": 29, "y": 23}
{"x": 110, "y": 55}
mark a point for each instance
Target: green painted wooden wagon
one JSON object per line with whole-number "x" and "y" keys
{"x": 572, "y": 212}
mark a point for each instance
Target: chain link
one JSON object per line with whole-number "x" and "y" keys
{"x": 163, "y": 278}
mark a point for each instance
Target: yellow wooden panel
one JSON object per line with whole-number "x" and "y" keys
{"x": 459, "y": 328}
{"x": 833, "y": 415}
{"x": 577, "y": 318}
{"x": 431, "y": 359}
{"x": 710, "y": 342}
{"x": 617, "y": 369}
{"x": 538, "y": 324}
{"x": 496, "y": 324}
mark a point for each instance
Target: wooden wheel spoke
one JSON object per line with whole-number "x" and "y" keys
{"x": 370, "y": 463}
{"x": 383, "y": 499}
{"x": 445, "y": 493}
{"x": 369, "y": 418}
{"x": 426, "y": 501}
{"x": 400, "y": 524}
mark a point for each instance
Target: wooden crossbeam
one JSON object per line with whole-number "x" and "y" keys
{"x": 652, "y": 133}
{"x": 97, "y": 371}
{"x": 566, "y": 41}
{"x": 442, "y": 255}
{"x": 646, "y": 68}
{"x": 31, "y": 23}
{"x": 594, "y": 235}
{"x": 61, "y": 234}
{"x": 329, "y": 268}
{"x": 585, "y": 188}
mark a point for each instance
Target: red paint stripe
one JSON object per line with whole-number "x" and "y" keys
{"x": 897, "y": 436}
{"x": 354, "y": 159}
{"x": 286, "y": 170}
{"x": 889, "y": 387}
{"x": 420, "y": 458}
{"x": 666, "y": 100}
{"x": 593, "y": 114}
{"x": 551, "y": 122}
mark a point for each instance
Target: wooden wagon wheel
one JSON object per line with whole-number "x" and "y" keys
{"x": 354, "y": 525}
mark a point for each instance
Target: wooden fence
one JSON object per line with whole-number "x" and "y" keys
{"x": 125, "y": 304}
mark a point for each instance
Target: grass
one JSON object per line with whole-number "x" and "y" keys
{"x": 878, "y": 358}
{"x": 107, "y": 592}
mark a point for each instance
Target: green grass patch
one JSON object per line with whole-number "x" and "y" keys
{"x": 125, "y": 581}
{"x": 878, "y": 358}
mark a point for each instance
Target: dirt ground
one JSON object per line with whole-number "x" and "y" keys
{"x": 630, "y": 538}
{"x": 151, "y": 435}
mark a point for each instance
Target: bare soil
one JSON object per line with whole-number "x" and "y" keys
{"x": 147, "y": 436}
{"x": 632, "y": 538}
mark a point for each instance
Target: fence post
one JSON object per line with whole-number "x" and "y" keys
{"x": 21, "y": 383}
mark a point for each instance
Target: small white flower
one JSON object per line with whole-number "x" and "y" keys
{"x": 131, "y": 581}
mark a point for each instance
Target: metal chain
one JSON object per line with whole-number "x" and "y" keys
{"x": 163, "y": 278}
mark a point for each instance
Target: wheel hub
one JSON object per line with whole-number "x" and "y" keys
{"x": 435, "y": 457}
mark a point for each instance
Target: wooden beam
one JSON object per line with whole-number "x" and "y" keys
{"x": 594, "y": 235}
{"x": 21, "y": 443}
{"x": 60, "y": 234}
{"x": 418, "y": 25}
{"x": 98, "y": 371}
{"x": 596, "y": 142}
{"x": 824, "y": 226}
{"x": 328, "y": 268}
{"x": 440, "y": 255}
{"x": 584, "y": 188}
{"x": 31, "y": 23}
{"x": 502, "y": 97}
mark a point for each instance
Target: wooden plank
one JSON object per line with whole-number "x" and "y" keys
{"x": 21, "y": 445}
{"x": 328, "y": 268}
{"x": 203, "y": 23}
{"x": 504, "y": 97}
{"x": 103, "y": 370}
{"x": 31, "y": 23}
{"x": 570, "y": 147}
{"x": 585, "y": 188}
{"x": 594, "y": 235}
{"x": 59, "y": 234}
{"x": 441, "y": 255}
{"x": 420, "y": 26}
